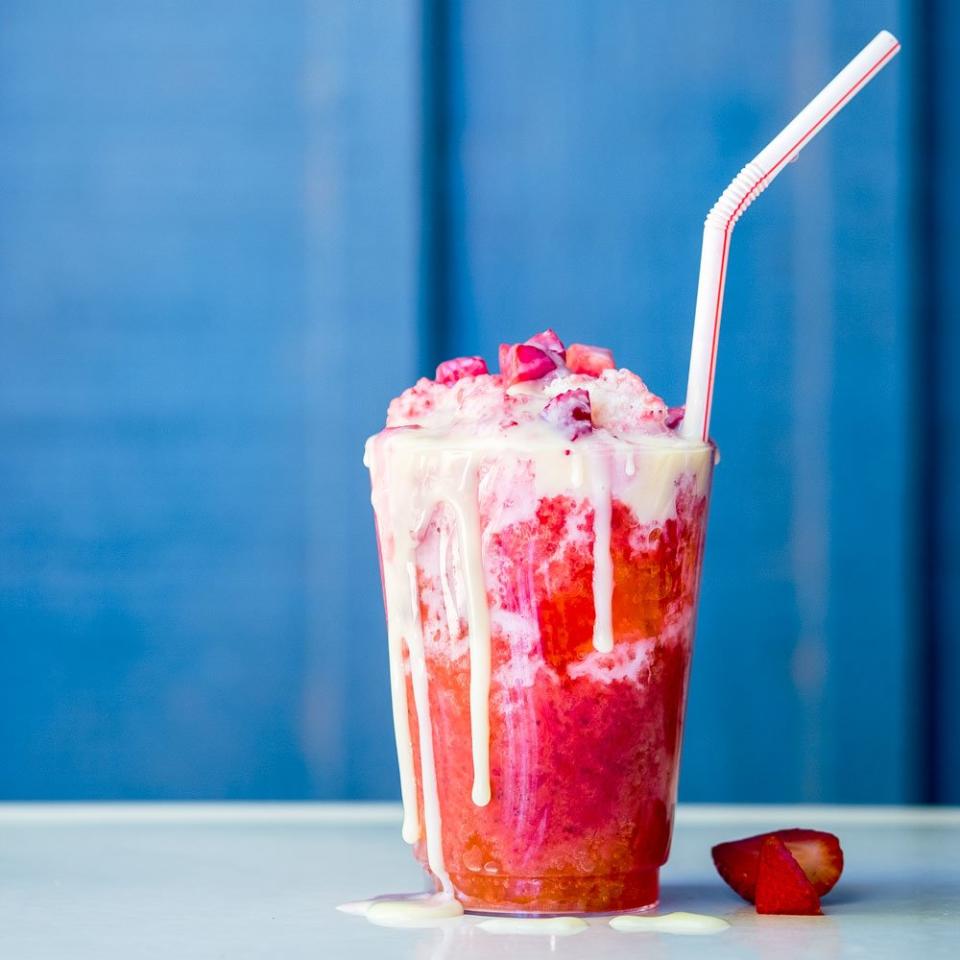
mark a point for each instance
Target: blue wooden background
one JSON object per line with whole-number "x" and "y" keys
{"x": 230, "y": 232}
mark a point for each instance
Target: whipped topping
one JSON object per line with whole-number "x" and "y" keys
{"x": 621, "y": 405}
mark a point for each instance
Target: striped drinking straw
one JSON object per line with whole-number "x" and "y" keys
{"x": 748, "y": 184}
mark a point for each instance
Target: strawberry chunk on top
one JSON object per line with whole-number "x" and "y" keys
{"x": 548, "y": 341}
{"x": 450, "y": 371}
{"x": 465, "y": 399}
{"x": 585, "y": 358}
{"x": 523, "y": 361}
{"x": 674, "y": 417}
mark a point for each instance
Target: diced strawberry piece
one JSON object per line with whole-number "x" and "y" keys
{"x": 674, "y": 417}
{"x": 817, "y": 852}
{"x": 548, "y": 341}
{"x": 782, "y": 886}
{"x": 569, "y": 412}
{"x": 583, "y": 358}
{"x": 523, "y": 361}
{"x": 450, "y": 371}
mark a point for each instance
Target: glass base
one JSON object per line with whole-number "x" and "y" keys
{"x": 558, "y": 896}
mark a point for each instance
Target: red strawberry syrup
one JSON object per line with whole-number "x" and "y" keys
{"x": 584, "y": 746}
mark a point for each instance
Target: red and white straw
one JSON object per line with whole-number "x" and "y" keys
{"x": 748, "y": 184}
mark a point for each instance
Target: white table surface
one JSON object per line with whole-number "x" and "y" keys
{"x": 185, "y": 881}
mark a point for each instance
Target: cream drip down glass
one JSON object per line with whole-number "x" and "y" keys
{"x": 541, "y": 535}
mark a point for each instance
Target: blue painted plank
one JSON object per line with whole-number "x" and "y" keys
{"x": 364, "y": 253}
{"x": 943, "y": 422}
{"x": 148, "y": 422}
{"x": 586, "y": 147}
{"x": 874, "y": 670}
{"x": 208, "y": 245}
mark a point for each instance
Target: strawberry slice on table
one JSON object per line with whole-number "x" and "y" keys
{"x": 818, "y": 854}
{"x": 782, "y": 886}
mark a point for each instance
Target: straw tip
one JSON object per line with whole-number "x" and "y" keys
{"x": 888, "y": 38}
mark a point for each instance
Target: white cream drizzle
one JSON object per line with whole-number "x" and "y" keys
{"x": 416, "y": 470}
{"x": 421, "y": 698}
{"x": 356, "y": 908}
{"x": 449, "y": 601}
{"x": 576, "y": 471}
{"x": 535, "y": 926}
{"x": 465, "y": 502}
{"x": 683, "y": 924}
{"x": 396, "y": 597}
{"x": 602, "y": 561}
{"x": 413, "y": 911}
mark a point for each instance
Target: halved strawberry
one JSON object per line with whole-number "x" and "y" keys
{"x": 782, "y": 886}
{"x": 817, "y": 852}
{"x": 819, "y": 855}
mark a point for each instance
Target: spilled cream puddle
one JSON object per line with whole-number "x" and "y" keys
{"x": 684, "y": 924}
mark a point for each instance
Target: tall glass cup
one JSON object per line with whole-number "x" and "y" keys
{"x": 541, "y": 601}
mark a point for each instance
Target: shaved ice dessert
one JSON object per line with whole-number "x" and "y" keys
{"x": 541, "y": 533}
